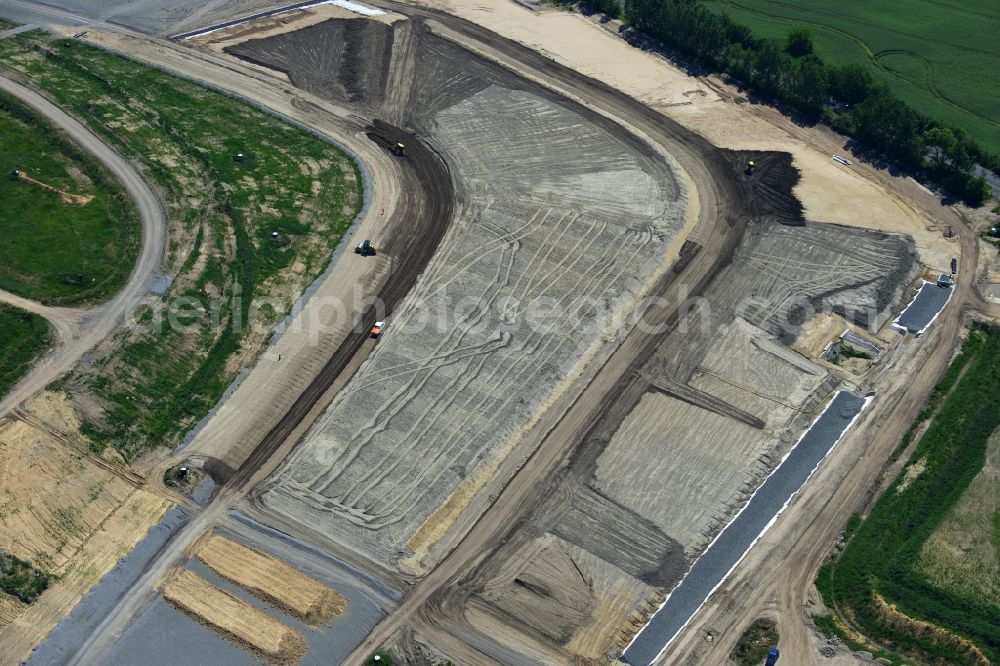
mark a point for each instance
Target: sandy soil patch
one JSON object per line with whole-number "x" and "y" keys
{"x": 817, "y": 333}
{"x": 272, "y": 580}
{"x": 67, "y": 516}
{"x": 10, "y": 608}
{"x": 235, "y": 619}
{"x": 53, "y": 497}
{"x": 855, "y": 195}
{"x": 67, "y": 198}
{"x": 899, "y": 620}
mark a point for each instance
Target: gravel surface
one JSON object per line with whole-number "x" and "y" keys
{"x": 70, "y": 633}
{"x": 164, "y": 636}
{"x": 712, "y": 568}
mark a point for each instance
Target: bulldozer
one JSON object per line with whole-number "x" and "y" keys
{"x": 751, "y": 168}
{"x": 399, "y": 150}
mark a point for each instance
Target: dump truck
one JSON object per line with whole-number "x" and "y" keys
{"x": 365, "y": 249}
{"x": 394, "y": 147}
{"x": 378, "y": 328}
{"x": 772, "y": 657}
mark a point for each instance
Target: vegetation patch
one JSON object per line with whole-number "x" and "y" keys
{"x": 20, "y": 579}
{"x": 755, "y": 643}
{"x": 23, "y": 336}
{"x": 769, "y": 49}
{"x": 881, "y": 588}
{"x": 912, "y": 52}
{"x": 254, "y": 209}
{"x": 71, "y": 233}
{"x": 963, "y": 553}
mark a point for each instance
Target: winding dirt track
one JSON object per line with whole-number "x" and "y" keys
{"x": 414, "y": 239}
{"x": 79, "y": 330}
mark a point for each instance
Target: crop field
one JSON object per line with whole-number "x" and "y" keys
{"x": 941, "y": 58}
{"x": 888, "y": 584}
{"x": 494, "y": 327}
{"x": 155, "y": 380}
{"x": 71, "y": 233}
{"x": 23, "y": 336}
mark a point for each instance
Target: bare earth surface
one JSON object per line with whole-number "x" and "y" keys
{"x": 520, "y": 522}
{"x": 446, "y": 395}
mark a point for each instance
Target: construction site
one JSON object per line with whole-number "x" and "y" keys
{"x": 589, "y": 365}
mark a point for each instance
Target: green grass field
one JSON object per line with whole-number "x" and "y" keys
{"x": 23, "y": 336}
{"x": 963, "y": 554}
{"x": 155, "y": 380}
{"x": 54, "y": 251}
{"x": 941, "y": 57}
{"x": 886, "y": 575}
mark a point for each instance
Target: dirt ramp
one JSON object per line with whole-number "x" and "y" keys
{"x": 770, "y": 183}
{"x": 614, "y": 533}
{"x": 401, "y": 73}
{"x": 344, "y": 59}
{"x": 550, "y": 595}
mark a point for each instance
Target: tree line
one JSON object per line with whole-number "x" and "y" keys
{"x": 845, "y": 97}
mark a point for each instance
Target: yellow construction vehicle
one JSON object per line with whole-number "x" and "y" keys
{"x": 751, "y": 167}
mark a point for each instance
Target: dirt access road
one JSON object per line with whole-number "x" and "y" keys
{"x": 79, "y": 330}
{"x": 415, "y": 196}
{"x": 706, "y": 169}
{"x": 776, "y": 577}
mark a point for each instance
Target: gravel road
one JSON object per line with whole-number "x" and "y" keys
{"x": 80, "y": 330}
